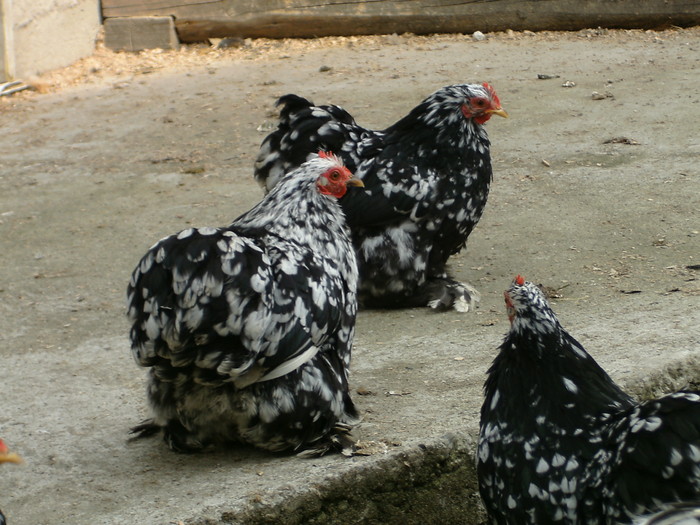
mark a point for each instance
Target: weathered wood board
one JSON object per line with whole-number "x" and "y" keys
{"x": 199, "y": 19}
{"x": 135, "y": 33}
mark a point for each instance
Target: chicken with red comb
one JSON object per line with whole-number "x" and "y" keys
{"x": 426, "y": 177}
{"x": 560, "y": 442}
{"x": 246, "y": 330}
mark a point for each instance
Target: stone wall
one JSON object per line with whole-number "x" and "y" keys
{"x": 39, "y": 35}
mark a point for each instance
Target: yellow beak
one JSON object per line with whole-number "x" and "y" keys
{"x": 355, "y": 182}
{"x": 10, "y": 457}
{"x": 500, "y": 112}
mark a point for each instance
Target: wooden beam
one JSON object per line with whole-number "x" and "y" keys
{"x": 115, "y": 8}
{"x": 197, "y": 20}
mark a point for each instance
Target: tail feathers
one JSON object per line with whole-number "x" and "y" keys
{"x": 294, "y": 105}
{"x": 303, "y": 130}
{"x": 291, "y": 104}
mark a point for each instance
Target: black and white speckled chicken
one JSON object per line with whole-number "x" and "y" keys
{"x": 426, "y": 177}
{"x": 247, "y": 329}
{"x": 561, "y": 442}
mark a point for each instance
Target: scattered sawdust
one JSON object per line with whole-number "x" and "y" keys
{"x": 107, "y": 65}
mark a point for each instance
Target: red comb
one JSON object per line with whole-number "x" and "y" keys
{"x": 331, "y": 156}
{"x": 492, "y": 93}
{"x": 3, "y": 447}
{"x": 519, "y": 280}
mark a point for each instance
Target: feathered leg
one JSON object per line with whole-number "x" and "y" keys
{"x": 439, "y": 293}
{"x": 446, "y": 293}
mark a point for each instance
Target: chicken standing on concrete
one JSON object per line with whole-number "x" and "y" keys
{"x": 247, "y": 329}
{"x": 561, "y": 442}
{"x": 426, "y": 178}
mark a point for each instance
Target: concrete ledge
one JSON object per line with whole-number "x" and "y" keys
{"x": 422, "y": 484}
{"x": 431, "y": 483}
{"x": 140, "y": 32}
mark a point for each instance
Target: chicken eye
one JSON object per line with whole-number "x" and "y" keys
{"x": 334, "y": 175}
{"x": 479, "y": 102}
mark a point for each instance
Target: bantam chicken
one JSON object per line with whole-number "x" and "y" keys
{"x": 7, "y": 457}
{"x": 247, "y": 329}
{"x": 426, "y": 178}
{"x": 560, "y": 442}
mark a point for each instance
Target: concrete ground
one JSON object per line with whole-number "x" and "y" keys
{"x": 92, "y": 174}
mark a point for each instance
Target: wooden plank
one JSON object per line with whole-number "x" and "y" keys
{"x": 115, "y": 8}
{"x": 140, "y": 32}
{"x": 197, "y": 20}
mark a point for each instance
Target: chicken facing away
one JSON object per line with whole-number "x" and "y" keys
{"x": 426, "y": 178}
{"x": 561, "y": 442}
{"x": 247, "y": 329}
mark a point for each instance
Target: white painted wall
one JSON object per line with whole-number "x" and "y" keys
{"x": 40, "y": 35}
